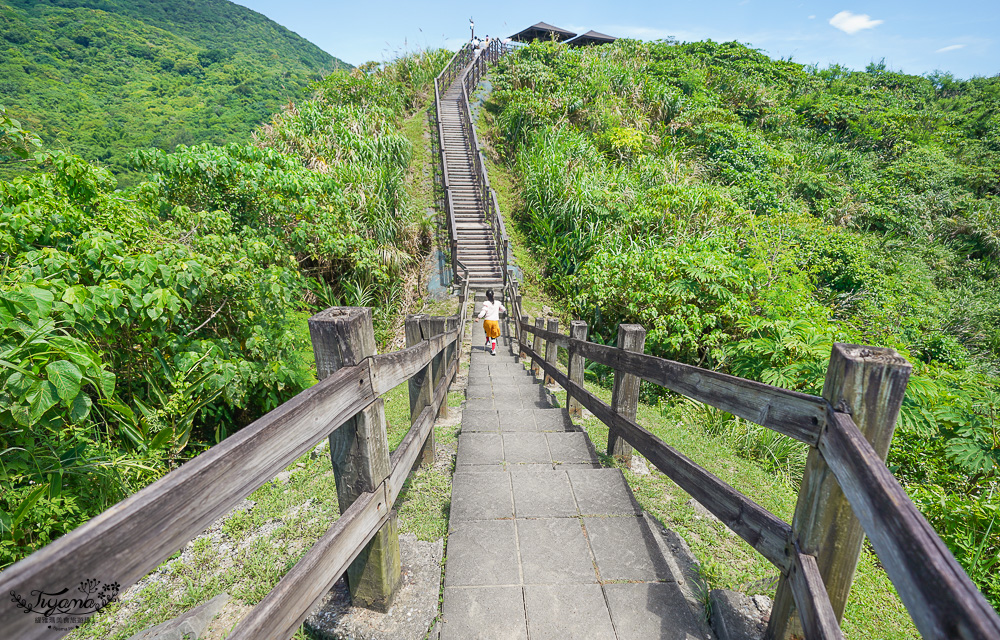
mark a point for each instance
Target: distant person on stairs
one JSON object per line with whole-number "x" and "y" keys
{"x": 491, "y": 325}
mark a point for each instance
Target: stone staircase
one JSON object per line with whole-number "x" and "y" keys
{"x": 476, "y": 248}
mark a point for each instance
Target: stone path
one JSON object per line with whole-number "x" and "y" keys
{"x": 543, "y": 542}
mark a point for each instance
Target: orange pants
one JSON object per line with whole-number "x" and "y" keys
{"x": 492, "y": 328}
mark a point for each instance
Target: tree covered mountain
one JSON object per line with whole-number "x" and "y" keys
{"x": 103, "y": 77}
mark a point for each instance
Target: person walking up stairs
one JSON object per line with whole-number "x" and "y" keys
{"x": 491, "y": 325}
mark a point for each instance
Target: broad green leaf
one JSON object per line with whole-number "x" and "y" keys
{"x": 66, "y": 377}
{"x": 162, "y": 438}
{"x": 44, "y": 399}
{"x": 81, "y": 408}
{"x": 107, "y": 383}
{"x": 21, "y": 414}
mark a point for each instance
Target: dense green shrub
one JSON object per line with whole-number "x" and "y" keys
{"x": 139, "y": 326}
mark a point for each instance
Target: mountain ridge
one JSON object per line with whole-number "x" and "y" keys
{"x": 100, "y": 78}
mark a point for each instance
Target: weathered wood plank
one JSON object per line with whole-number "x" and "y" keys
{"x": 551, "y": 349}
{"x": 625, "y": 393}
{"x": 421, "y": 384}
{"x": 941, "y": 599}
{"x": 282, "y": 610}
{"x": 537, "y": 344}
{"x": 760, "y": 528}
{"x": 869, "y": 383}
{"x": 131, "y": 538}
{"x": 359, "y": 451}
{"x": 563, "y": 342}
{"x": 406, "y": 454}
{"x": 390, "y": 370}
{"x": 577, "y": 331}
{"x": 798, "y": 415}
{"x": 813, "y": 603}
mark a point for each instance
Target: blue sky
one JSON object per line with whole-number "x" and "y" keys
{"x": 915, "y": 36}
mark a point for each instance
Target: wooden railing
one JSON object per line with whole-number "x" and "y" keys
{"x": 133, "y": 537}
{"x": 847, "y": 491}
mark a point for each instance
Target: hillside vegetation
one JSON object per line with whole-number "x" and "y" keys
{"x": 139, "y": 326}
{"x": 748, "y": 212}
{"x": 99, "y": 78}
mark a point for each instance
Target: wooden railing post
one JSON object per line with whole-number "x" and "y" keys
{"x": 439, "y": 325}
{"x": 577, "y": 331}
{"x": 536, "y": 346}
{"x": 551, "y": 349}
{"x": 421, "y": 385}
{"x": 625, "y": 393}
{"x": 868, "y": 383}
{"x": 525, "y": 321}
{"x": 359, "y": 451}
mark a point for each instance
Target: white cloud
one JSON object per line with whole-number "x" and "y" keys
{"x": 951, "y": 47}
{"x": 852, "y": 22}
{"x": 812, "y": 17}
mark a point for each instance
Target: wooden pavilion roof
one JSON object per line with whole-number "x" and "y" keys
{"x": 542, "y": 31}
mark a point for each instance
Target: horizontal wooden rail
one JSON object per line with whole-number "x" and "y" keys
{"x": 764, "y": 531}
{"x": 941, "y": 599}
{"x": 134, "y": 536}
{"x": 792, "y": 413}
{"x": 281, "y": 612}
{"x": 392, "y": 369}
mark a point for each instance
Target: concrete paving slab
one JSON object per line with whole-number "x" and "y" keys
{"x": 479, "y": 448}
{"x": 532, "y": 392}
{"x": 625, "y": 549}
{"x": 554, "y": 551}
{"x": 543, "y": 494}
{"x": 479, "y": 420}
{"x": 651, "y": 610}
{"x": 572, "y": 448}
{"x": 479, "y": 391}
{"x": 603, "y": 492}
{"x": 480, "y": 404}
{"x": 529, "y": 448}
{"x": 552, "y": 420}
{"x": 481, "y": 496}
{"x": 536, "y": 404}
{"x": 559, "y": 612}
{"x": 482, "y": 552}
{"x": 524, "y": 380}
{"x": 516, "y": 420}
{"x": 508, "y": 392}
{"x": 483, "y": 613}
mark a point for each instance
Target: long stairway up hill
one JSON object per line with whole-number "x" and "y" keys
{"x": 476, "y": 248}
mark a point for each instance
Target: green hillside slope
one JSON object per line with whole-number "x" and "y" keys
{"x": 748, "y": 212}
{"x": 101, "y": 78}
